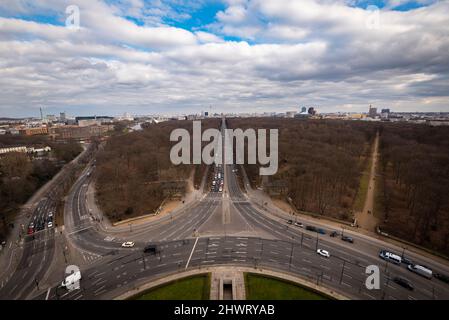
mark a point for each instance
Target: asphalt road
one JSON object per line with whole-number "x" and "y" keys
{"x": 206, "y": 234}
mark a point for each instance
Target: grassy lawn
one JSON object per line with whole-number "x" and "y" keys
{"x": 259, "y": 287}
{"x": 191, "y": 288}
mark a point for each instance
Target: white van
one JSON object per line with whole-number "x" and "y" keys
{"x": 72, "y": 280}
{"x": 389, "y": 256}
{"x": 421, "y": 270}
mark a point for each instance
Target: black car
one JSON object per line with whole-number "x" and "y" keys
{"x": 311, "y": 228}
{"x": 152, "y": 249}
{"x": 404, "y": 283}
{"x": 347, "y": 239}
{"x": 290, "y": 221}
{"x": 333, "y": 234}
{"x": 442, "y": 277}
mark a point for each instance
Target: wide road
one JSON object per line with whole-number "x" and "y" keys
{"x": 184, "y": 243}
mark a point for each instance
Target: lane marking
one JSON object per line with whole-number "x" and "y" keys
{"x": 191, "y": 253}
{"x": 48, "y": 293}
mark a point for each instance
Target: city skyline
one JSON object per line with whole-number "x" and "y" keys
{"x": 179, "y": 57}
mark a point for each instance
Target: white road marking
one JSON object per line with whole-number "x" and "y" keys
{"x": 191, "y": 253}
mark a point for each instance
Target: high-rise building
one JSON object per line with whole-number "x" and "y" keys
{"x": 62, "y": 116}
{"x": 372, "y": 113}
{"x": 385, "y": 113}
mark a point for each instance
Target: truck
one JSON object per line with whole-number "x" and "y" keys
{"x": 421, "y": 270}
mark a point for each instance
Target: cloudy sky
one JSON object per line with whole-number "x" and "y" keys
{"x": 179, "y": 56}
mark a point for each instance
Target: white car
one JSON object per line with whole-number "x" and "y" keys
{"x": 128, "y": 244}
{"x": 299, "y": 224}
{"x": 50, "y": 224}
{"x": 323, "y": 253}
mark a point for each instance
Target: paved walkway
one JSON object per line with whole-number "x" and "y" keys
{"x": 366, "y": 219}
{"x": 233, "y": 277}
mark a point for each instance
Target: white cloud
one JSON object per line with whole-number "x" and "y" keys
{"x": 317, "y": 52}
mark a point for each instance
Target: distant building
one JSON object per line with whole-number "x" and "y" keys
{"x": 303, "y": 113}
{"x": 100, "y": 119}
{"x": 311, "y": 111}
{"x": 62, "y": 116}
{"x": 51, "y": 117}
{"x": 23, "y": 149}
{"x": 79, "y": 132}
{"x": 385, "y": 113}
{"x": 88, "y": 122}
{"x": 290, "y": 114}
{"x": 372, "y": 113}
{"x": 13, "y": 149}
{"x": 33, "y": 131}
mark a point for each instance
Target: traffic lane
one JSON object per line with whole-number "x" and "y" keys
{"x": 364, "y": 259}
{"x": 128, "y": 269}
{"x": 344, "y": 251}
{"x": 102, "y": 280}
{"x": 34, "y": 263}
{"x": 373, "y": 245}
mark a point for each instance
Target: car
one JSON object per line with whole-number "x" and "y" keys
{"x": 299, "y": 224}
{"x": 390, "y": 256}
{"x": 421, "y": 270}
{"x": 404, "y": 283}
{"x": 321, "y": 231}
{"x": 347, "y": 239}
{"x": 289, "y": 221}
{"x": 442, "y": 277}
{"x": 50, "y": 224}
{"x": 151, "y": 248}
{"x": 128, "y": 244}
{"x": 311, "y": 228}
{"x": 333, "y": 234}
{"x": 30, "y": 230}
{"x": 323, "y": 253}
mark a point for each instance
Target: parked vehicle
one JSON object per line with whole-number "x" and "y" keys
{"x": 289, "y": 221}
{"x": 421, "y": 270}
{"x": 321, "y": 231}
{"x": 333, "y": 234}
{"x": 389, "y": 256}
{"x": 299, "y": 224}
{"x": 347, "y": 239}
{"x": 311, "y": 228}
{"x": 404, "y": 283}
